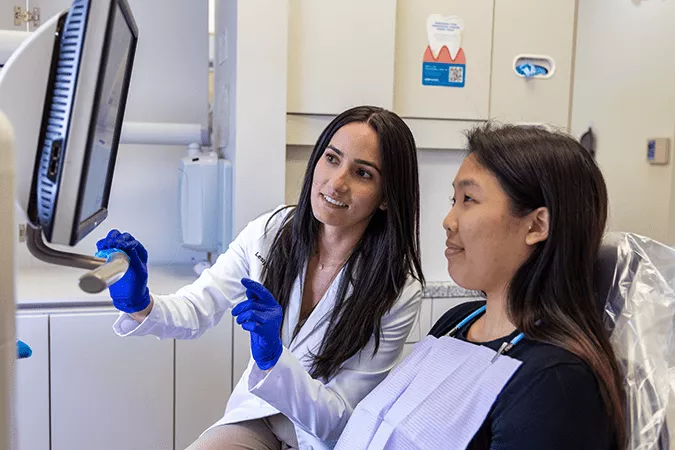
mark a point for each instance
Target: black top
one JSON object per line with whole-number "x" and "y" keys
{"x": 552, "y": 401}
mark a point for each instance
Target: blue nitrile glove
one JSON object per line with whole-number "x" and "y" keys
{"x": 23, "y": 350}
{"x": 261, "y": 315}
{"x": 130, "y": 293}
{"x": 529, "y": 70}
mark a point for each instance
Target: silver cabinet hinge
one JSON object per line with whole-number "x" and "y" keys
{"x": 22, "y": 232}
{"x": 22, "y": 16}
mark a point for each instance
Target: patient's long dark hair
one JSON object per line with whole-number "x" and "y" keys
{"x": 538, "y": 168}
{"x": 387, "y": 254}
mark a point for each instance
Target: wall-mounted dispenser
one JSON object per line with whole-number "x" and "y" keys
{"x": 205, "y": 202}
{"x": 198, "y": 201}
{"x": 534, "y": 66}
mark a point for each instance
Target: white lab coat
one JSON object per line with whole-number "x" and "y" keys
{"x": 319, "y": 411}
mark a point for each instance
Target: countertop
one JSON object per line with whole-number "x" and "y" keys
{"x": 56, "y": 286}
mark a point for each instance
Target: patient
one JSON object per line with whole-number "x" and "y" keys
{"x": 531, "y": 367}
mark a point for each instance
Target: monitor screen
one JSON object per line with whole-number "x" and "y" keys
{"x": 106, "y": 122}
{"x": 89, "y": 78}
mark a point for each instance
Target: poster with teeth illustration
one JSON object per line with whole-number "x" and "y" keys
{"x": 444, "y": 62}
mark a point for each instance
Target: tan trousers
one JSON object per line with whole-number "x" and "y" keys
{"x": 248, "y": 435}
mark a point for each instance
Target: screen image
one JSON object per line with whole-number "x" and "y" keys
{"x": 107, "y": 115}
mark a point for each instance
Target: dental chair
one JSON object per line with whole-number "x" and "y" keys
{"x": 635, "y": 287}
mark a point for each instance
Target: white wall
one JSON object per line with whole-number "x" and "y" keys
{"x": 625, "y": 88}
{"x": 169, "y": 84}
{"x": 437, "y": 170}
{"x": 250, "y": 71}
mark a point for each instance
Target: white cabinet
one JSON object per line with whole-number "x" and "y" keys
{"x": 203, "y": 382}
{"x": 533, "y": 27}
{"x": 468, "y": 100}
{"x": 108, "y": 392}
{"x": 32, "y": 383}
{"x": 340, "y": 54}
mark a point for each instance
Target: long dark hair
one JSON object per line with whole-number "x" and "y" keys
{"x": 387, "y": 253}
{"x": 539, "y": 168}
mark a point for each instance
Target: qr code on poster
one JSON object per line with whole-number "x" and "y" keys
{"x": 456, "y": 75}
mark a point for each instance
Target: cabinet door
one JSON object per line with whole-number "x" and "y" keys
{"x": 32, "y": 383}
{"x": 109, "y": 392}
{"x": 340, "y": 54}
{"x": 460, "y": 86}
{"x": 7, "y": 15}
{"x": 48, "y": 9}
{"x": 539, "y": 28}
{"x": 203, "y": 382}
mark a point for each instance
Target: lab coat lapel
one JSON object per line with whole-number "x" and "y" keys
{"x": 320, "y": 314}
{"x": 293, "y": 313}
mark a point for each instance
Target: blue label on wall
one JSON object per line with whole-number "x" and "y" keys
{"x": 443, "y": 74}
{"x": 651, "y": 150}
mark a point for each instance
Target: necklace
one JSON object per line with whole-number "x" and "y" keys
{"x": 322, "y": 266}
{"x": 304, "y": 315}
{"x": 326, "y": 285}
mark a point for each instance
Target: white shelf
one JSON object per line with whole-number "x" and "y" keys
{"x": 430, "y": 134}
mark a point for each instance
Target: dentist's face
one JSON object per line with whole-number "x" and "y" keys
{"x": 347, "y": 182}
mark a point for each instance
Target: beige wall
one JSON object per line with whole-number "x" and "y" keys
{"x": 627, "y": 93}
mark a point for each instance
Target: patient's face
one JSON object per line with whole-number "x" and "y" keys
{"x": 485, "y": 242}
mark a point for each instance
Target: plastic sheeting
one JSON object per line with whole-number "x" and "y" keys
{"x": 636, "y": 278}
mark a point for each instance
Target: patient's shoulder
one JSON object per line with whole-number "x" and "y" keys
{"x": 453, "y": 316}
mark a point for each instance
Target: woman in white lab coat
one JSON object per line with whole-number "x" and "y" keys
{"x": 342, "y": 287}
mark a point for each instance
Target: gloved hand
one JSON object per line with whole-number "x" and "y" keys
{"x": 261, "y": 315}
{"x": 130, "y": 293}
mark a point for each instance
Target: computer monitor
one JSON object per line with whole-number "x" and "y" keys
{"x": 82, "y": 120}
{"x": 62, "y": 99}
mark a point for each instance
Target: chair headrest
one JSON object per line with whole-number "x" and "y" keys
{"x": 617, "y": 264}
